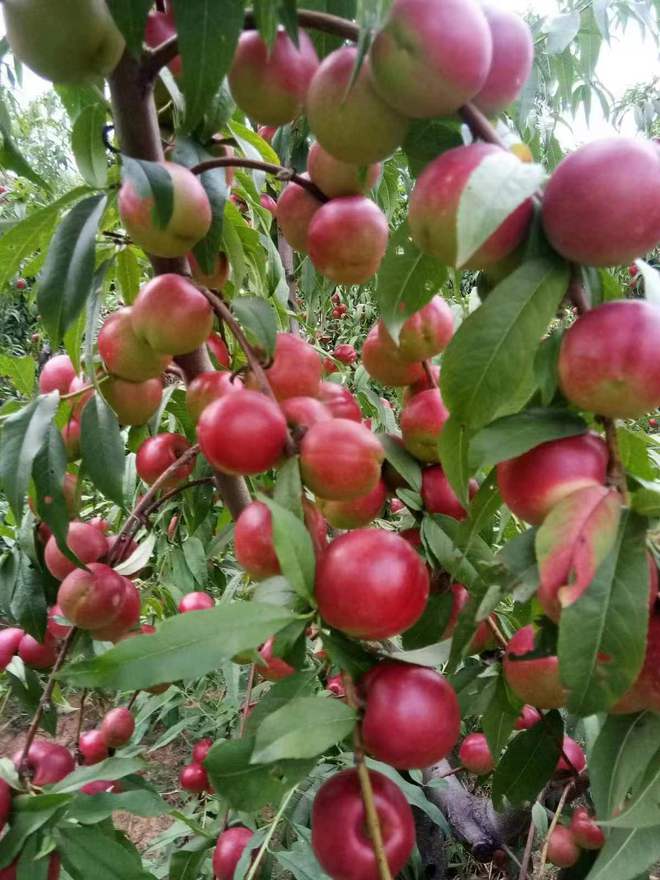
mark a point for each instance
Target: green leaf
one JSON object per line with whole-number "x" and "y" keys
{"x": 28, "y": 601}
{"x": 128, "y": 275}
{"x": 288, "y": 488}
{"x": 265, "y": 13}
{"x": 208, "y": 33}
{"x": 21, "y": 371}
{"x": 347, "y": 654}
{"x": 545, "y": 367}
{"x": 110, "y": 769}
{"x": 402, "y": 462}
{"x": 23, "y": 435}
{"x": 454, "y": 450}
{"x": 427, "y": 139}
{"x": 294, "y": 548}
{"x": 90, "y": 809}
{"x": 24, "y": 824}
{"x": 185, "y": 647}
{"x": 407, "y": 281}
{"x": 642, "y": 809}
{"x": 561, "y": 30}
{"x": 602, "y": 636}
{"x": 300, "y": 684}
{"x": 11, "y": 157}
{"x": 131, "y": 18}
{"x": 447, "y": 552}
{"x": 103, "y": 448}
{"x": 48, "y": 472}
{"x": 88, "y": 147}
{"x": 627, "y": 854}
{"x": 516, "y": 434}
{"x": 28, "y": 691}
{"x": 67, "y": 277}
{"x": 487, "y": 367}
{"x": 303, "y": 728}
{"x": 499, "y": 718}
{"x": 529, "y": 762}
{"x": 431, "y": 624}
{"x": 88, "y": 852}
{"x": 186, "y": 862}
{"x": 258, "y": 319}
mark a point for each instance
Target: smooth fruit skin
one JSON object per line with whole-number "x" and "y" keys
{"x": 80, "y": 42}
{"x": 127, "y": 618}
{"x": 511, "y": 64}
{"x": 645, "y": 692}
{"x": 296, "y": 207}
{"x": 207, "y": 387}
{"x": 345, "y": 353}
{"x": 424, "y": 334}
{"x": 295, "y": 371}
{"x": 354, "y": 126}
{"x": 357, "y": 513}
{"x": 93, "y": 747}
{"x": 218, "y": 277}
{"x": 347, "y": 239}
{"x": 218, "y": 348}
{"x": 422, "y": 421}
{"x": 118, "y": 727}
{"x": 576, "y": 759}
{"x": 371, "y": 584}
{"x": 10, "y": 639}
{"x": 272, "y": 667}
{"x": 303, "y": 412}
{"x": 171, "y": 315}
{"x": 608, "y": 361}
{"x": 340, "y": 460}
{"x": 243, "y": 433}
{"x": 201, "y": 750}
{"x": 196, "y": 601}
{"x": 335, "y": 178}
{"x": 124, "y": 354}
{"x": 431, "y": 56}
{"x": 57, "y": 375}
{"x": 595, "y": 211}
{"x": 586, "y": 833}
{"x": 91, "y": 599}
{"x": 339, "y": 832}
{"x": 156, "y": 454}
{"x": 49, "y": 762}
{"x": 228, "y": 851}
{"x": 412, "y": 718}
{"x": 253, "y": 542}
{"x": 438, "y": 495}
{"x": 533, "y": 483}
{"x": 382, "y": 360}
{"x": 38, "y": 655}
{"x": 194, "y": 778}
{"x": 535, "y": 681}
{"x": 339, "y": 401}
{"x": 563, "y": 851}
{"x": 188, "y": 224}
{"x": 133, "y": 402}
{"x": 460, "y": 598}
{"x": 86, "y": 541}
{"x": 71, "y": 438}
{"x": 475, "y": 755}
{"x": 529, "y": 717}
{"x": 433, "y": 210}
{"x": 270, "y": 85}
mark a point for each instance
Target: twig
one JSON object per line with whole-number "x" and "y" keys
{"x": 279, "y": 171}
{"x": 176, "y": 491}
{"x": 84, "y": 389}
{"x": 81, "y": 712}
{"x": 493, "y": 627}
{"x": 527, "y": 854}
{"x": 615, "y": 471}
{"x": 254, "y": 867}
{"x": 132, "y": 700}
{"x": 480, "y": 126}
{"x": 246, "y": 702}
{"x": 553, "y": 825}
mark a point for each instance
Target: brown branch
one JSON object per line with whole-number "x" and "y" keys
{"x": 527, "y": 854}
{"x": 616, "y": 473}
{"x": 480, "y": 126}
{"x": 279, "y": 171}
{"x": 497, "y": 633}
{"x": 132, "y": 700}
{"x": 176, "y": 491}
{"x": 553, "y": 825}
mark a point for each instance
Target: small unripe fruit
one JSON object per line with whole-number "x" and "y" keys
{"x": 536, "y": 681}
{"x": 218, "y": 277}
{"x": 340, "y": 460}
{"x": 424, "y": 334}
{"x": 422, "y": 421}
{"x": 267, "y": 132}
{"x": 382, "y": 360}
{"x": 201, "y": 750}
{"x": 295, "y": 371}
{"x": 71, "y": 439}
{"x": 207, "y": 387}
{"x": 438, "y": 495}
{"x": 124, "y": 354}
{"x": 157, "y": 454}
{"x": 171, "y": 315}
{"x": 21, "y": 284}
{"x": 243, "y": 433}
{"x": 586, "y": 833}
{"x": 339, "y": 401}
{"x": 575, "y": 761}
{"x": 357, "y": 513}
{"x": 253, "y": 542}
{"x": 563, "y": 851}
{"x": 351, "y": 121}
{"x": 91, "y": 599}
{"x": 93, "y": 747}
{"x": 335, "y": 178}
{"x": 228, "y": 851}
{"x": 57, "y": 375}
{"x": 303, "y": 412}
{"x": 475, "y": 755}
{"x": 296, "y": 207}
{"x": 218, "y": 348}
{"x": 194, "y": 778}
{"x": 196, "y": 601}
{"x": 371, "y": 584}
{"x": 269, "y": 203}
{"x": 272, "y": 667}
{"x": 118, "y": 727}
{"x": 529, "y": 717}
{"x": 513, "y": 55}
{"x": 133, "y": 402}
{"x": 83, "y": 539}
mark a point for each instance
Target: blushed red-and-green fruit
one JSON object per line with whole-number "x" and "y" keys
{"x": 347, "y": 239}
{"x": 195, "y": 601}
{"x": 475, "y": 754}
{"x": 48, "y": 762}
{"x": 118, "y": 726}
{"x": 124, "y": 354}
{"x": 84, "y": 540}
{"x": 345, "y": 353}
{"x": 243, "y": 433}
{"x": 336, "y": 178}
{"x": 459, "y": 599}
{"x": 586, "y": 833}
{"x": 438, "y": 495}
{"x": 340, "y": 401}
{"x": 269, "y": 84}
{"x": 340, "y": 460}
{"x": 10, "y": 639}
{"x": 253, "y": 542}
{"x": 594, "y": 210}
{"x": 533, "y": 483}
{"x": 271, "y": 667}
{"x": 529, "y": 717}
{"x": 133, "y": 402}
{"x": 228, "y": 851}
{"x": 296, "y": 207}
{"x": 357, "y": 513}
{"x": 207, "y": 387}
{"x": 381, "y": 359}
{"x": 92, "y": 746}
{"x": 433, "y": 210}
{"x": 563, "y": 851}
{"x": 218, "y": 348}
{"x": 431, "y": 56}
{"x": 511, "y": 63}
{"x": 71, "y": 438}
{"x": 38, "y": 655}
{"x": 535, "y": 680}
{"x": 303, "y": 412}
{"x": 189, "y": 221}
{"x": 54, "y": 627}
{"x": 355, "y": 124}
{"x": 91, "y": 598}
{"x": 422, "y": 419}
{"x": 160, "y": 27}
{"x": 171, "y": 315}
{"x": 340, "y": 839}
{"x": 608, "y": 360}
{"x": 78, "y": 403}
{"x": 127, "y": 617}
{"x": 81, "y": 42}
{"x": 295, "y": 370}
{"x": 156, "y": 454}
{"x": 217, "y": 278}
{"x": 424, "y": 334}
{"x": 411, "y": 717}
{"x": 57, "y": 375}
{"x": 645, "y": 692}
{"x": 371, "y": 584}
{"x": 423, "y": 384}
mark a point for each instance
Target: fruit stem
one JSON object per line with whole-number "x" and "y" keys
{"x": 615, "y": 471}
{"x": 84, "y": 389}
{"x": 176, "y": 491}
{"x": 493, "y": 627}
{"x": 553, "y": 825}
{"x": 480, "y": 126}
{"x": 280, "y": 172}
{"x": 45, "y": 698}
{"x": 371, "y": 814}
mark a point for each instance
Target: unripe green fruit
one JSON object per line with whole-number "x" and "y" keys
{"x": 133, "y": 402}
{"x": 171, "y": 315}
{"x": 124, "y": 354}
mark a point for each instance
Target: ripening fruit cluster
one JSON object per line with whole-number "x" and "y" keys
{"x": 567, "y": 841}
{"x": 115, "y": 731}
{"x": 193, "y": 777}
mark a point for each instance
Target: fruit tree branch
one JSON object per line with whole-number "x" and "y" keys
{"x": 553, "y": 825}
{"x": 480, "y": 126}
{"x": 527, "y": 854}
{"x": 279, "y": 171}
